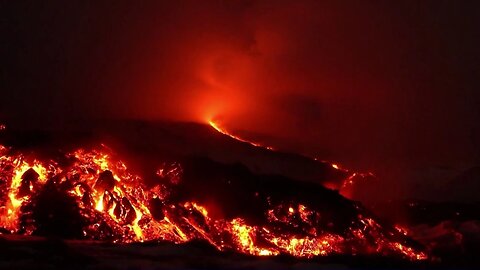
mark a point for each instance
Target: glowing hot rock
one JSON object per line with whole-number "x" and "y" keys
{"x": 108, "y": 202}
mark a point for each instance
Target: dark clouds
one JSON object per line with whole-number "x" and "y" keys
{"x": 382, "y": 86}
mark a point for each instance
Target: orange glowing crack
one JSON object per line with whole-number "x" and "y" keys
{"x": 349, "y": 181}
{"x": 225, "y": 132}
{"x": 343, "y": 188}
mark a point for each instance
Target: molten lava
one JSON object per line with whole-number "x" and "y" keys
{"x": 116, "y": 205}
{"x": 218, "y": 128}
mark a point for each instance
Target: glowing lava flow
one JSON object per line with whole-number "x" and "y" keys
{"x": 112, "y": 204}
{"x": 225, "y": 132}
{"x": 344, "y": 188}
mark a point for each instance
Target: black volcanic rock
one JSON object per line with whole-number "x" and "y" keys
{"x": 154, "y": 142}
{"x": 105, "y": 182}
{"x": 30, "y": 177}
{"x": 235, "y": 191}
{"x": 53, "y": 212}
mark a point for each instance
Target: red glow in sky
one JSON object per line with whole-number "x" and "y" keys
{"x": 383, "y": 87}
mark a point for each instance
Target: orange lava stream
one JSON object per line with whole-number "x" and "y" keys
{"x": 225, "y": 132}
{"x": 344, "y": 188}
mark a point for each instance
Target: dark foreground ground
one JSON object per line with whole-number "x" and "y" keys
{"x": 453, "y": 245}
{"x": 17, "y": 252}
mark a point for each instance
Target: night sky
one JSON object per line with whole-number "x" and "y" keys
{"x": 386, "y": 86}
